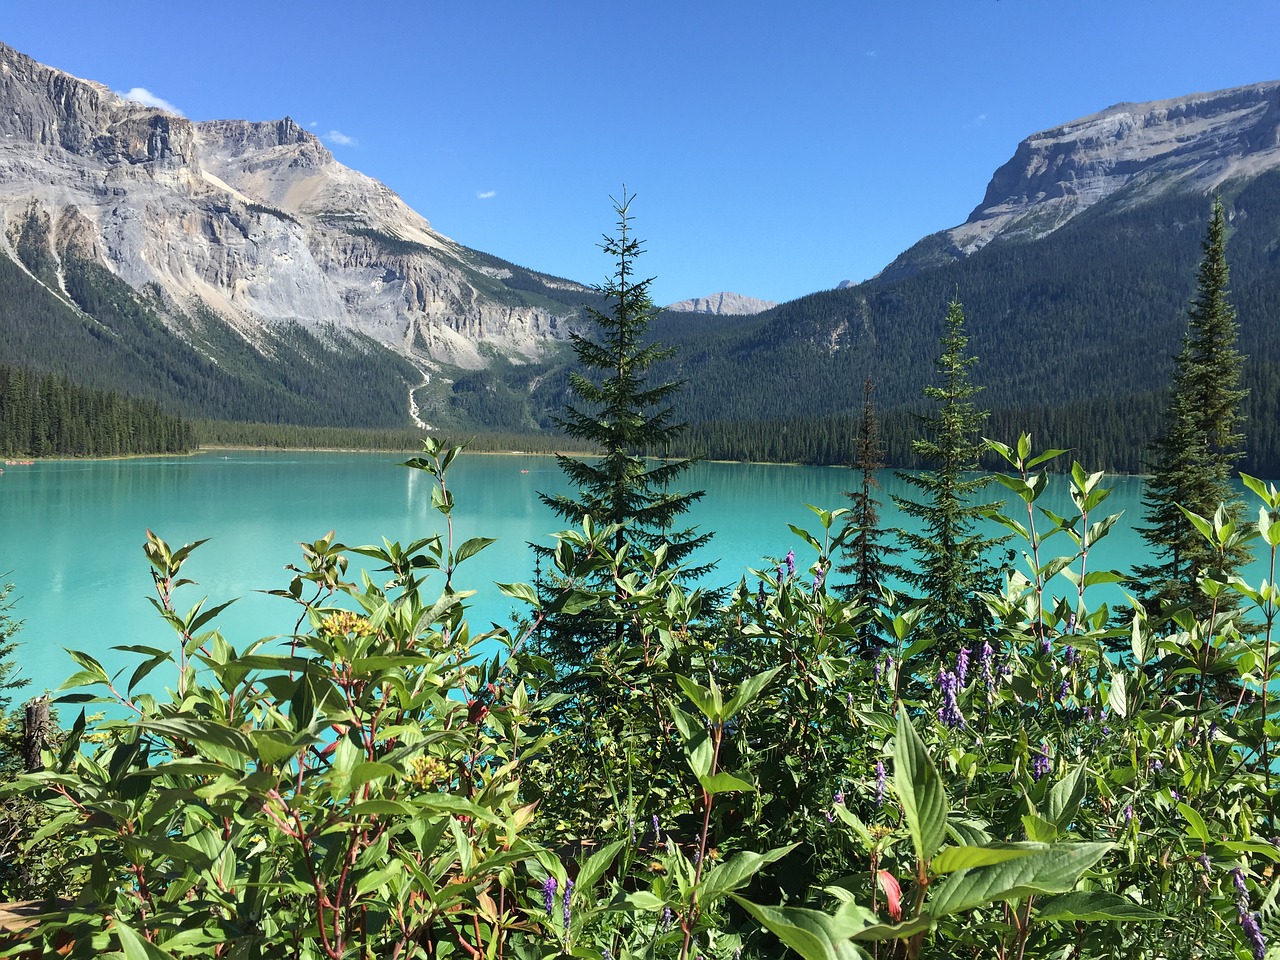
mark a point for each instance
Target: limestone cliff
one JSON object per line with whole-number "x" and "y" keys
{"x": 1125, "y": 154}
{"x": 256, "y": 221}
{"x": 720, "y": 304}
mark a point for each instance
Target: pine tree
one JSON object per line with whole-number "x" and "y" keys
{"x": 1192, "y": 458}
{"x": 950, "y": 564}
{"x": 865, "y": 554}
{"x": 622, "y": 414}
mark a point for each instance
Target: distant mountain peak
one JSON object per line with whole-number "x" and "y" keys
{"x": 1191, "y": 144}
{"x": 721, "y": 304}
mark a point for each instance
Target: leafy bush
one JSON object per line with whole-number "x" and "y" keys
{"x": 740, "y": 781}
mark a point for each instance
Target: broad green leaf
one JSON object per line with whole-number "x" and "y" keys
{"x": 521, "y": 591}
{"x": 725, "y": 783}
{"x": 1039, "y": 830}
{"x": 697, "y": 741}
{"x": 471, "y": 547}
{"x": 597, "y": 864}
{"x": 379, "y": 877}
{"x": 1092, "y": 906}
{"x": 1195, "y": 822}
{"x": 813, "y": 934}
{"x": 965, "y": 858}
{"x": 1065, "y": 797}
{"x": 748, "y": 690}
{"x": 738, "y": 870}
{"x": 1117, "y": 699}
{"x": 919, "y": 789}
{"x": 134, "y": 946}
{"x": 1056, "y": 870}
{"x": 700, "y": 696}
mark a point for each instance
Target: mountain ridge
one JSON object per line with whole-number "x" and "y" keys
{"x": 1194, "y": 142}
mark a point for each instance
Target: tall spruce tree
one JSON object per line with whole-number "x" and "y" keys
{"x": 1192, "y": 459}
{"x": 865, "y": 564}
{"x": 621, "y": 413}
{"x": 948, "y": 556}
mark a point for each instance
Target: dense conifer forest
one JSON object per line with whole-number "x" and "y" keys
{"x": 48, "y": 416}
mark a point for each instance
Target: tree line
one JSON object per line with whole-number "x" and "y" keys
{"x": 49, "y": 416}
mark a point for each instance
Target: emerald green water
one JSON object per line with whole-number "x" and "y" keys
{"x": 71, "y": 533}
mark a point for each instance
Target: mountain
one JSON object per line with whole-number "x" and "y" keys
{"x": 720, "y": 304}
{"x": 1075, "y": 273}
{"x": 247, "y": 232}
{"x": 236, "y": 271}
{"x": 1138, "y": 152}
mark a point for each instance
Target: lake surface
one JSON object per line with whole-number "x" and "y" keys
{"x": 71, "y": 533}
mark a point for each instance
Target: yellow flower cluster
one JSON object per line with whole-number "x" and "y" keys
{"x": 345, "y": 622}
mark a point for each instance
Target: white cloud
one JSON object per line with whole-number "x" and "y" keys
{"x": 486, "y": 194}
{"x": 313, "y": 124}
{"x": 146, "y": 97}
{"x": 977, "y": 121}
{"x": 341, "y": 139}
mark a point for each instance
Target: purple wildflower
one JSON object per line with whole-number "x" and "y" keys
{"x": 1070, "y": 656}
{"x": 1242, "y": 891}
{"x": 881, "y": 784}
{"x": 1045, "y": 646}
{"x": 817, "y": 579}
{"x": 605, "y": 954}
{"x": 986, "y": 663}
{"x": 1063, "y": 690}
{"x": 879, "y": 670}
{"x": 949, "y": 712}
{"x": 962, "y": 665}
{"x": 1040, "y": 764}
{"x": 782, "y": 574}
{"x": 1128, "y": 814}
{"x": 791, "y": 563}
{"x": 666, "y": 919}
{"x": 568, "y": 891}
{"x": 1249, "y": 923}
{"x": 549, "y": 886}
{"x": 1206, "y": 863}
{"x": 657, "y": 834}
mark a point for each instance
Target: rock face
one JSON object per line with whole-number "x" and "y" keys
{"x": 1126, "y": 153}
{"x": 256, "y": 221}
{"x": 723, "y": 304}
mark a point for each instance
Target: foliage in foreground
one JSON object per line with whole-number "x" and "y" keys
{"x": 385, "y": 783}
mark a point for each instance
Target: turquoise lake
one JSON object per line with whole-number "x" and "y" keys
{"x": 71, "y": 533}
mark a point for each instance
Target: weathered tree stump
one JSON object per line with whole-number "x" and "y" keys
{"x": 35, "y": 733}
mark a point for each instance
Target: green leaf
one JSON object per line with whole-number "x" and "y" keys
{"x": 1195, "y": 822}
{"x": 748, "y": 690}
{"x": 1092, "y": 906}
{"x": 919, "y": 789}
{"x": 725, "y": 783}
{"x": 697, "y": 742}
{"x": 1066, "y": 796}
{"x": 1056, "y": 870}
{"x": 738, "y": 870}
{"x": 471, "y": 547}
{"x": 597, "y": 864}
{"x": 134, "y": 946}
{"x": 810, "y": 933}
{"x": 521, "y": 591}
{"x": 1116, "y": 697}
{"x": 966, "y": 858}
{"x": 700, "y": 696}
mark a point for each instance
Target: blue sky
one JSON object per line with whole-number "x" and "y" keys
{"x": 775, "y": 149}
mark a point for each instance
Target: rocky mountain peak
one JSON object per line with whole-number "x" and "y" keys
{"x": 723, "y": 304}
{"x": 254, "y": 221}
{"x": 1190, "y": 143}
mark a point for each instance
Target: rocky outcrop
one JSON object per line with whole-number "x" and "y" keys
{"x": 733, "y": 304}
{"x": 257, "y": 221}
{"x": 1129, "y": 152}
